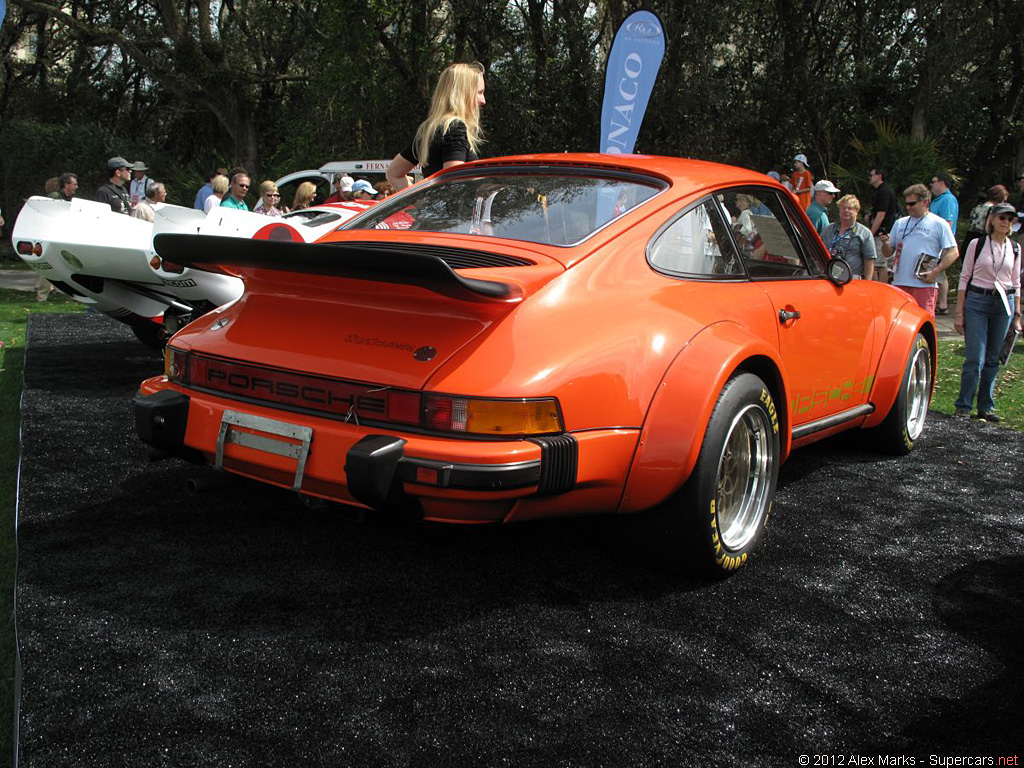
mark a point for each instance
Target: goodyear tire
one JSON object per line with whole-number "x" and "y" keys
{"x": 905, "y": 421}
{"x": 727, "y": 500}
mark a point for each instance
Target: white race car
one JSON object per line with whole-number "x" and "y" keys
{"x": 106, "y": 260}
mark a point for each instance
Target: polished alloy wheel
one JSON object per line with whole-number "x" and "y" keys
{"x": 745, "y": 471}
{"x": 918, "y": 391}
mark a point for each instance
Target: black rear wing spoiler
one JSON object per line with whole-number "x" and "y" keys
{"x": 406, "y": 263}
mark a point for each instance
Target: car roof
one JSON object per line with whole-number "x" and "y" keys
{"x": 676, "y": 170}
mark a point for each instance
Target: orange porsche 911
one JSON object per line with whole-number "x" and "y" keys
{"x": 545, "y": 335}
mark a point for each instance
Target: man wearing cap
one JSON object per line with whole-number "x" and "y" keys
{"x": 140, "y": 183}
{"x": 113, "y": 193}
{"x": 914, "y": 238}
{"x": 801, "y": 180}
{"x": 824, "y": 193}
{"x": 363, "y": 190}
{"x": 342, "y": 189}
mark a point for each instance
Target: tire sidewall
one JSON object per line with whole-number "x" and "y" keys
{"x": 902, "y": 399}
{"x": 701, "y": 490}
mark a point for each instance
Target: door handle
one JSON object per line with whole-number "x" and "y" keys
{"x": 785, "y": 315}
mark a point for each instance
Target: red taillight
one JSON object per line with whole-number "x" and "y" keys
{"x": 167, "y": 266}
{"x": 25, "y": 248}
{"x": 404, "y": 407}
{"x": 447, "y": 414}
{"x": 354, "y": 401}
{"x": 175, "y": 365}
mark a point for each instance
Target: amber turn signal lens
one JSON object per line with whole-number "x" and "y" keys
{"x": 478, "y": 416}
{"x": 174, "y": 364}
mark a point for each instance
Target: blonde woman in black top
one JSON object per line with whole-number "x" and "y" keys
{"x": 451, "y": 134}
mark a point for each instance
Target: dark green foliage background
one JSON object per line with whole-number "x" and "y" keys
{"x": 278, "y": 86}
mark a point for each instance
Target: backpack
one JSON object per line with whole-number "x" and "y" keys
{"x": 980, "y": 240}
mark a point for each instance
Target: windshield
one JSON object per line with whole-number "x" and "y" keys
{"x": 545, "y": 207}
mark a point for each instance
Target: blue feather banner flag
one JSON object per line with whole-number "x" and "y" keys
{"x": 633, "y": 65}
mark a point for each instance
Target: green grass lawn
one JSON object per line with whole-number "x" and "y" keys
{"x": 1009, "y": 383}
{"x": 15, "y": 307}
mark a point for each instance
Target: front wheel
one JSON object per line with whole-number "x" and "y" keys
{"x": 904, "y": 423}
{"x": 719, "y": 517}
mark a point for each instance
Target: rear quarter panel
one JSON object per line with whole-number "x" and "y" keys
{"x": 601, "y": 336}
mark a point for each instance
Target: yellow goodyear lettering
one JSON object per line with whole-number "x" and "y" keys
{"x": 769, "y": 404}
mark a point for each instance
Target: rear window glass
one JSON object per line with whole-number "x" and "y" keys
{"x": 555, "y": 209}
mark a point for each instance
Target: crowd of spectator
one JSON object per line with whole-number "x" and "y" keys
{"x": 912, "y": 248}
{"x": 129, "y": 190}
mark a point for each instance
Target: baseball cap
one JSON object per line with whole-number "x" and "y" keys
{"x": 363, "y": 186}
{"x": 344, "y": 183}
{"x": 826, "y": 186}
{"x": 802, "y": 159}
{"x": 999, "y": 208}
{"x": 117, "y": 162}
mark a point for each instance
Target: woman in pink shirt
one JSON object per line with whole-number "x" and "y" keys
{"x": 989, "y": 304}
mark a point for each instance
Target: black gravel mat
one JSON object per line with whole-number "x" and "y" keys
{"x": 245, "y": 627}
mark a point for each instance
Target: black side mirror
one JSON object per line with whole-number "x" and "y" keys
{"x": 839, "y": 272}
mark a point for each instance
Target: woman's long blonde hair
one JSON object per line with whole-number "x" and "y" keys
{"x": 454, "y": 99}
{"x": 304, "y": 195}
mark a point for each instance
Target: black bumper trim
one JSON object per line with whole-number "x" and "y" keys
{"x": 559, "y": 463}
{"x": 160, "y": 421}
{"x": 376, "y": 467}
{"x": 473, "y": 477}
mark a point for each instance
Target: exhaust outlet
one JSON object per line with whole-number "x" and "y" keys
{"x": 211, "y": 482}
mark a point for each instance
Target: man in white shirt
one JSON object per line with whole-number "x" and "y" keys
{"x": 156, "y": 193}
{"x": 915, "y": 238}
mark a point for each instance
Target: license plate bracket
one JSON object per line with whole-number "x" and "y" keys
{"x": 300, "y": 452}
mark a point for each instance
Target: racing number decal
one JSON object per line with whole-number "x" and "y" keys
{"x": 819, "y": 397}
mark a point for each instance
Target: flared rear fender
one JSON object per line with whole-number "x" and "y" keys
{"x": 674, "y": 427}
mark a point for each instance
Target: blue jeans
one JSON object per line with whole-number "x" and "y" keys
{"x": 985, "y": 327}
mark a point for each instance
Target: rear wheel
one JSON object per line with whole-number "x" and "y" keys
{"x": 719, "y": 517}
{"x": 905, "y": 421}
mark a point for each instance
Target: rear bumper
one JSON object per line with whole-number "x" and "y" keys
{"x": 446, "y": 478}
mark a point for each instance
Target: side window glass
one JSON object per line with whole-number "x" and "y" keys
{"x": 697, "y": 244}
{"x": 767, "y": 242}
